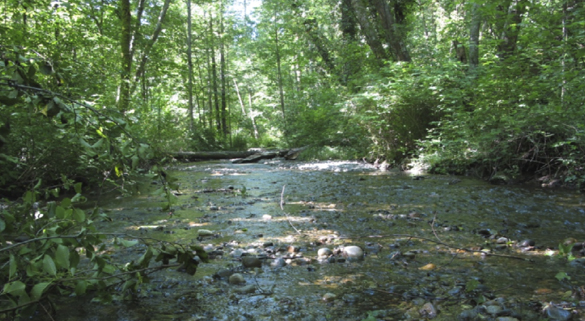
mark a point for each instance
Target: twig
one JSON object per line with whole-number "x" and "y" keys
{"x": 433, "y": 227}
{"x": 282, "y": 208}
{"x": 48, "y": 314}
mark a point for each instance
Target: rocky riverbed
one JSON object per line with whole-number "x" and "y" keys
{"x": 343, "y": 241}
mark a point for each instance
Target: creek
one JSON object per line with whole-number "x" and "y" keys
{"x": 436, "y": 247}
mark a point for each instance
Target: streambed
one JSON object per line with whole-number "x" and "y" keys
{"x": 436, "y": 247}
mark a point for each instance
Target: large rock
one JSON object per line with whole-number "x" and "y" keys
{"x": 353, "y": 253}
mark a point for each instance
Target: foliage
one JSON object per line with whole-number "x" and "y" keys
{"x": 55, "y": 250}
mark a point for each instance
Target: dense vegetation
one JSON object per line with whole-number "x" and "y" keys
{"x": 98, "y": 91}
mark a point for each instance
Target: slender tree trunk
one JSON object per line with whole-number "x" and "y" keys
{"x": 474, "y": 37}
{"x": 222, "y": 53}
{"x": 190, "y": 65}
{"x": 153, "y": 39}
{"x": 214, "y": 76}
{"x": 278, "y": 69}
{"x": 126, "y": 36}
{"x": 252, "y": 115}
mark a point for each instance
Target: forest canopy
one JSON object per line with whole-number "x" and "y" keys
{"x": 91, "y": 91}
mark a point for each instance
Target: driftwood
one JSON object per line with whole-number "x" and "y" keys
{"x": 241, "y": 157}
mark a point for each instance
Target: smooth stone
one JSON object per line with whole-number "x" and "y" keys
{"x": 468, "y": 315}
{"x": 506, "y": 319}
{"x": 205, "y": 233}
{"x": 428, "y": 310}
{"x": 224, "y": 273}
{"x": 324, "y": 252}
{"x": 278, "y": 262}
{"x": 502, "y": 240}
{"x": 557, "y": 314}
{"x": 236, "y": 278}
{"x": 246, "y": 289}
{"x": 251, "y": 262}
{"x": 493, "y": 309}
{"x": 526, "y": 243}
{"x": 328, "y": 297}
{"x": 353, "y": 252}
{"x": 237, "y": 253}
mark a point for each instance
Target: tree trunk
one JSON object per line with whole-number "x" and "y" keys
{"x": 509, "y": 26}
{"x": 190, "y": 65}
{"x": 125, "y": 42}
{"x": 474, "y": 37}
{"x": 214, "y": 76}
{"x": 279, "y": 75}
{"x": 362, "y": 16}
{"x": 224, "y": 112}
{"x": 394, "y": 39}
{"x": 312, "y": 31}
{"x": 152, "y": 41}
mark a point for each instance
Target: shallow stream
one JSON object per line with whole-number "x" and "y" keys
{"x": 436, "y": 247}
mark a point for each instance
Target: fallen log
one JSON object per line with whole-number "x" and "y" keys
{"x": 264, "y": 155}
{"x": 241, "y": 157}
{"x": 196, "y": 156}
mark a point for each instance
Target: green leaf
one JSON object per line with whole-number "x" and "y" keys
{"x": 62, "y": 256}
{"x": 80, "y": 287}
{"x": 66, "y": 202}
{"x": 562, "y": 276}
{"x": 60, "y": 212}
{"x": 49, "y": 265}
{"x": 73, "y": 261}
{"x": 79, "y": 215}
{"x": 37, "y": 290}
{"x": 127, "y": 243}
{"x": 77, "y": 187}
{"x": 2, "y": 225}
{"x": 13, "y": 267}
{"x": 14, "y": 288}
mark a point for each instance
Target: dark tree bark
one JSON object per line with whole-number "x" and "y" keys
{"x": 474, "y": 36}
{"x": 370, "y": 33}
{"x": 125, "y": 42}
{"x": 394, "y": 38}
{"x": 190, "y": 71}
{"x": 311, "y": 28}
{"x": 510, "y": 16}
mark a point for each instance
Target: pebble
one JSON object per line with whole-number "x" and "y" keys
{"x": 324, "y": 252}
{"x": 236, "y": 278}
{"x": 204, "y": 233}
{"x": 428, "y": 310}
{"x": 353, "y": 252}
{"x": 506, "y": 319}
{"x": 328, "y": 297}
{"x": 526, "y": 243}
{"x": 278, "y": 262}
{"x": 557, "y": 314}
{"x": 493, "y": 309}
{"x": 266, "y": 217}
{"x": 246, "y": 289}
{"x": 251, "y": 262}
